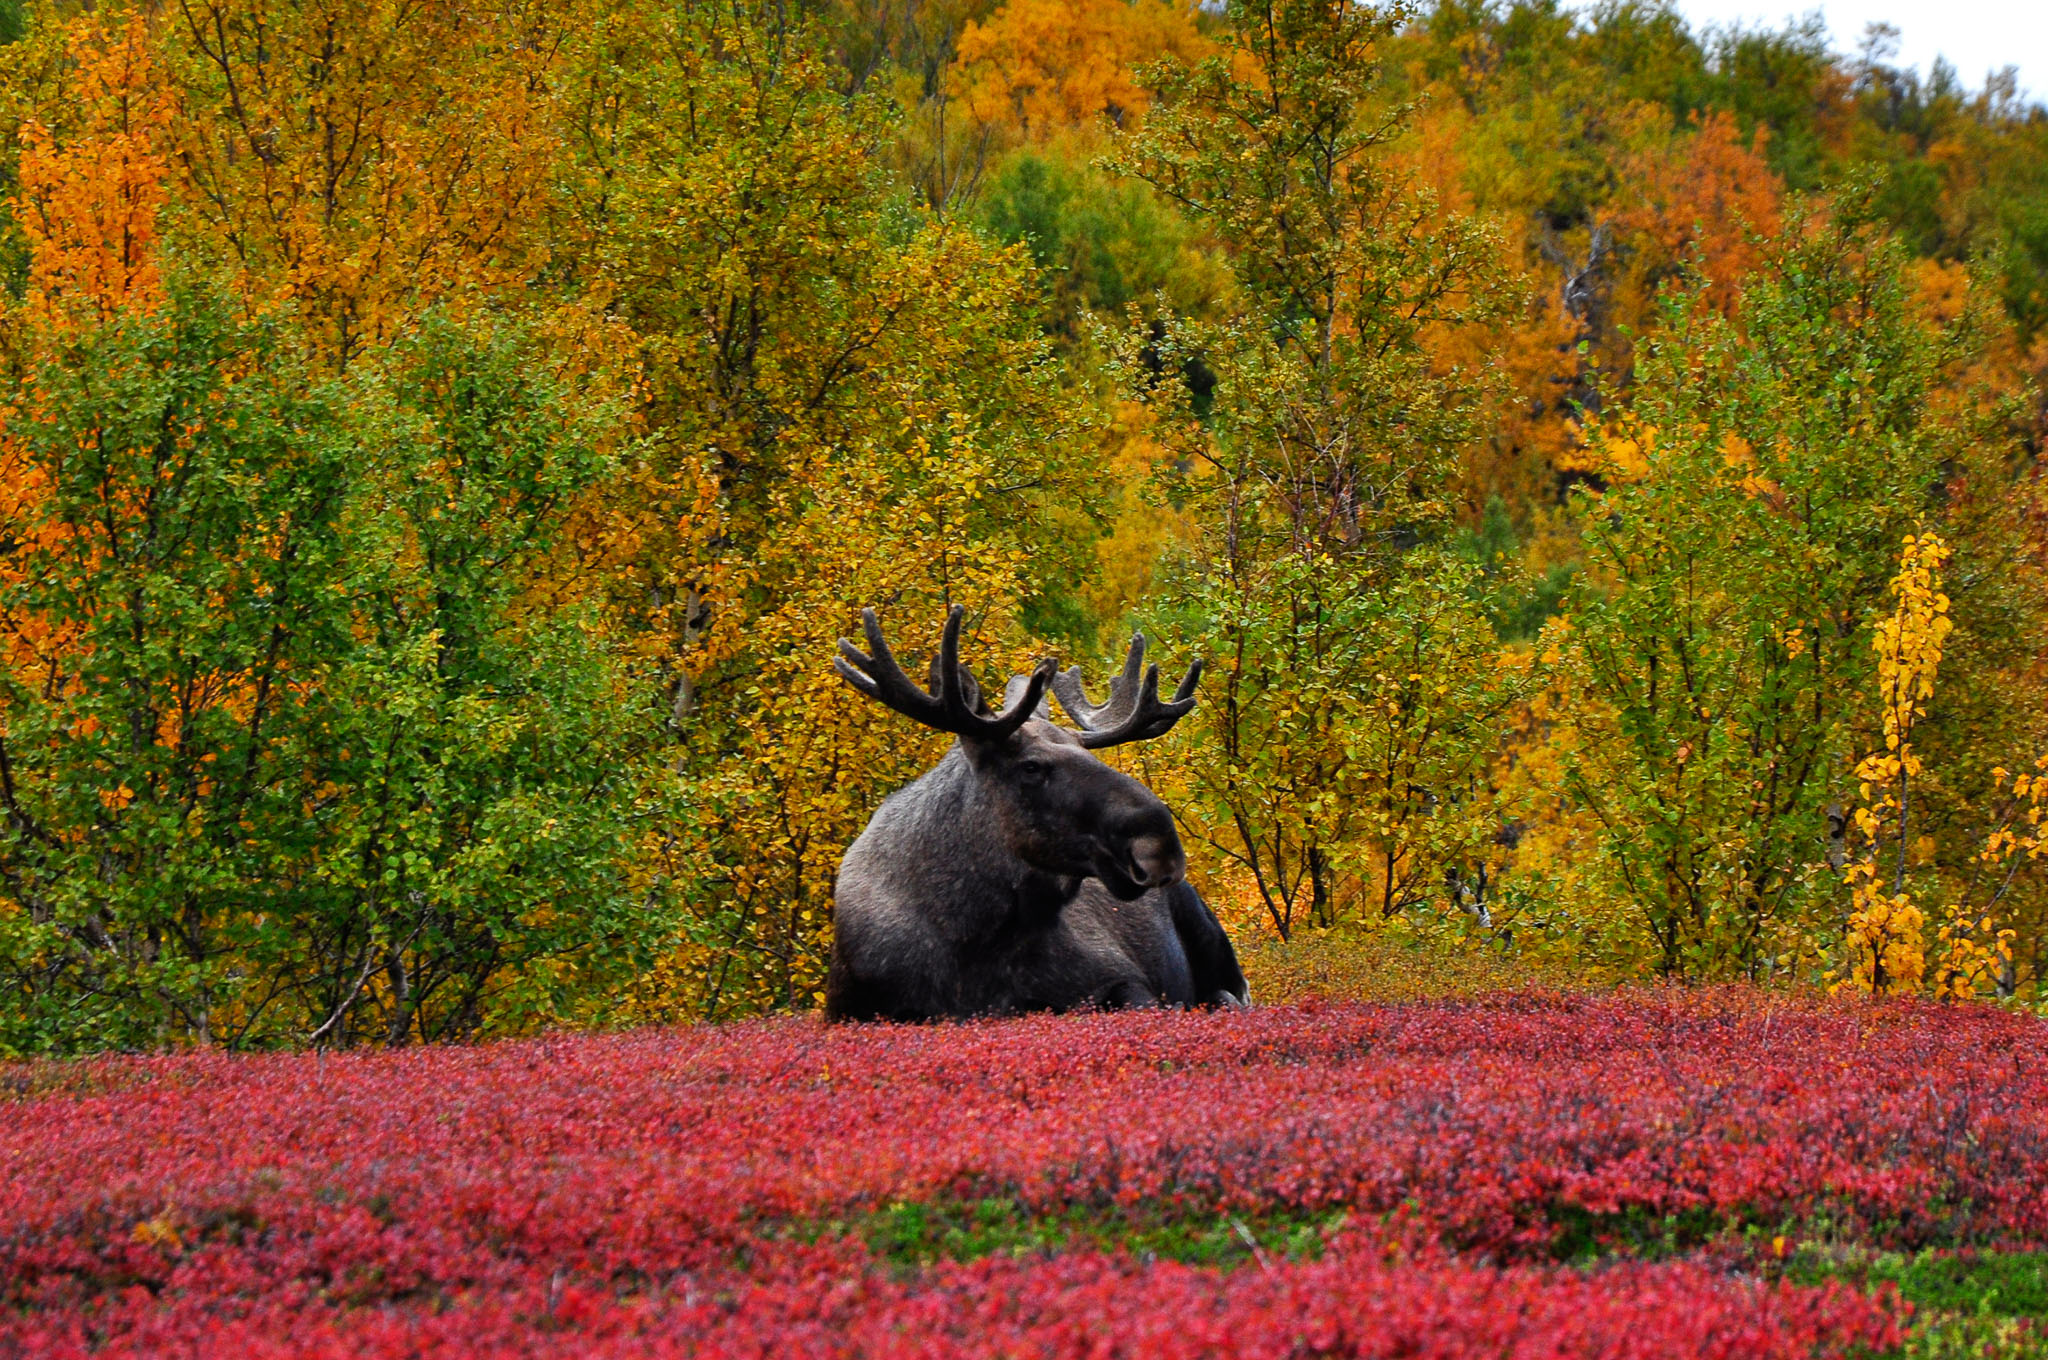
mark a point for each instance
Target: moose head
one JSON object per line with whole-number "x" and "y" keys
{"x": 1055, "y": 805}
{"x": 1020, "y": 872}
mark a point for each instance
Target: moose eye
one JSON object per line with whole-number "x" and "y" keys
{"x": 1035, "y": 771}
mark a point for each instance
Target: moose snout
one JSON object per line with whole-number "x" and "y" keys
{"x": 1158, "y": 859}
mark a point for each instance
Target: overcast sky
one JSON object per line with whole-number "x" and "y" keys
{"x": 1977, "y": 36}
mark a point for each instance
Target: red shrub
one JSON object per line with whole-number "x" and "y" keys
{"x": 831, "y": 1302}
{"x": 454, "y": 1188}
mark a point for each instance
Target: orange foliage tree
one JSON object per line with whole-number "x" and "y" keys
{"x": 90, "y": 203}
{"x": 1036, "y": 68}
{"x": 361, "y": 159}
{"x": 1704, "y": 204}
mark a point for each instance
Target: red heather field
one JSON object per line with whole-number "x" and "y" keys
{"x": 743, "y": 1190}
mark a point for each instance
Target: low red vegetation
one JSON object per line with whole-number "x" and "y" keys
{"x": 834, "y": 1302}
{"x": 630, "y": 1194}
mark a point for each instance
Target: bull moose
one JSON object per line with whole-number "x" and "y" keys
{"x": 1021, "y": 873}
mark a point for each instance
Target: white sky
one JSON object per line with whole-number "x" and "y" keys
{"x": 1977, "y": 36}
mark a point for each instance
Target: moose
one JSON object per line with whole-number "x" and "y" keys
{"x": 1021, "y": 873}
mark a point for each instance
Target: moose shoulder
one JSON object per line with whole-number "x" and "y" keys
{"x": 1020, "y": 872}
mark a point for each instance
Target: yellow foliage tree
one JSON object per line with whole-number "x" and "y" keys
{"x": 1977, "y": 955}
{"x": 1886, "y": 945}
{"x": 846, "y": 404}
{"x": 1338, "y": 764}
{"x": 1887, "y": 935}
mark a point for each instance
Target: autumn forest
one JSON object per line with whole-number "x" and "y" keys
{"x": 1597, "y": 461}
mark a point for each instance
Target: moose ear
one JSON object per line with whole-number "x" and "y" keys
{"x": 970, "y": 688}
{"x": 1014, "y": 692}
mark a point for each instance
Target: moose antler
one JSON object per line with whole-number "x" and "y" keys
{"x": 953, "y": 704}
{"x": 1133, "y": 711}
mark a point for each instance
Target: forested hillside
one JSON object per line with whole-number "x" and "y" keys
{"x": 441, "y": 442}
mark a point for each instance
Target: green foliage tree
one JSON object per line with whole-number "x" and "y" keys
{"x": 1770, "y": 467}
{"x": 1100, "y": 244}
{"x": 1783, "y": 81}
{"x": 1518, "y": 603}
{"x": 288, "y": 752}
{"x": 488, "y": 735}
